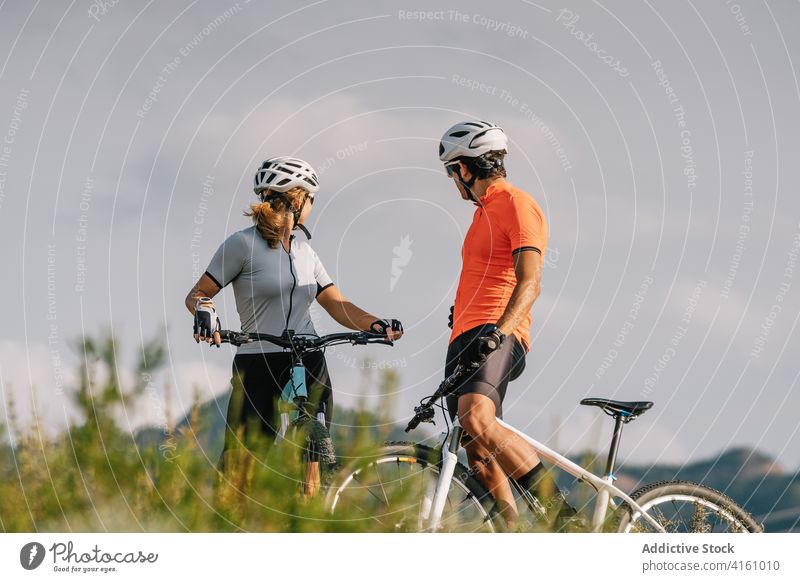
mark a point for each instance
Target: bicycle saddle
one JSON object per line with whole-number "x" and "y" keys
{"x": 627, "y": 410}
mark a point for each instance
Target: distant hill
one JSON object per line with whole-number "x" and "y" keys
{"x": 752, "y": 478}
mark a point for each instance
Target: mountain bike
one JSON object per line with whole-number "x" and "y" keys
{"x": 299, "y": 423}
{"x": 409, "y": 486}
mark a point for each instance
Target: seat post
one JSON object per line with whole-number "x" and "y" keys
{"x": 612, "y": 453}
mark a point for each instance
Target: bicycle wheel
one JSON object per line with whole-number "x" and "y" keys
{"x": 392, "y": 490}
{"x": 318, "y": 455}
{"x": 685, "y": 507}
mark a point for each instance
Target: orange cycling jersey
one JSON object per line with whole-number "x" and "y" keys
{"x": 508, "y": 221}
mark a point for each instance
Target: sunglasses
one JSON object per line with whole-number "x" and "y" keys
{"x": 451, "y": 169}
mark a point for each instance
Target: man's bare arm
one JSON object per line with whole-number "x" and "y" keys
{"x": 528, "y": 268}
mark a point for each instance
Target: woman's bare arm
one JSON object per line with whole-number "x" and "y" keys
{"x": 344, "y": 312}
{"x": 205, "y": 287}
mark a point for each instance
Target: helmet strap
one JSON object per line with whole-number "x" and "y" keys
{"x": 467, "y": 184}
{"x": 297, "y": 214}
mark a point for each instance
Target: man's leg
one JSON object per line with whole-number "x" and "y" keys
{"x": 488, "y": 472}
{"x": 476, "y": 413}
{"x": 512, "y": 453}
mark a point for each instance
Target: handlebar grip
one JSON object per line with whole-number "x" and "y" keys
{"x": 228, "y": 336}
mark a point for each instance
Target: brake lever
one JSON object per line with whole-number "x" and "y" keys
{"x": 424, "y": 413}
{"x": 233, "y": 338}
{"x": 367, "y": 339}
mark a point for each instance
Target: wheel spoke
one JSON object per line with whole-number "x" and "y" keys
{"x": 690, "y": 508}
{"x": 661, "y": 518}
{"x": 370, "y": 515}
{"x": 700, "y": 520}
{"x": 678, "y": 516}
{"x": 398, "y": 489}
{"x": 383, "y": 490}
{"x": 369, "y": 490}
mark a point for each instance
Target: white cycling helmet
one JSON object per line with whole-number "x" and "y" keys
{"x": 284, "y": 173}
{"x": 471, "y": 139}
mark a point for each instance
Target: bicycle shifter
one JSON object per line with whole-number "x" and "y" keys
{"x": 424, "y": 413}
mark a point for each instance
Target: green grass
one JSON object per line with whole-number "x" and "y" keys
{"x": 93, "y": 476}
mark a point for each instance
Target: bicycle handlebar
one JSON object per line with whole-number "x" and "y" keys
{"x": 425, "y": 412}
{"x": 299, "y": 343}
{"x": 302, "y": 343}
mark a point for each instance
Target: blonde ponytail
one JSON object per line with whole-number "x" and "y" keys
{"x": 274, "y": 218}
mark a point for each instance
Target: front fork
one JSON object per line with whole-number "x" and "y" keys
{"x": 285, "y": 424}
{"x": 295, "y": 390}
{"x": 449, "y": 461}
{"x": 284, "y": 427}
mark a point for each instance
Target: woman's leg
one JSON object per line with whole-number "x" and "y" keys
{"x": 251, "y": 420}
{"x": 318, "y": 382}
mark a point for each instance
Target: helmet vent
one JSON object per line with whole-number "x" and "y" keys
{"x": 471, "y": 139}
{"x": 284, "y": 173}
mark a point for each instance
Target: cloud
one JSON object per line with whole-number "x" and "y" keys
{"x": 364, "y": 96}
{"x": 34, "y": 379}
{"x": 28, "y": 375}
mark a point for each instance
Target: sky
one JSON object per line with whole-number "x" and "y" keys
{"x": 660, "y": 138}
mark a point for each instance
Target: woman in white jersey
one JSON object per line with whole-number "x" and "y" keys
{"x": 275, "y": 277}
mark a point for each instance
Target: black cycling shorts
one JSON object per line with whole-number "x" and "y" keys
{"x": 491, "y": 379}
{"x": 253, "y": 413}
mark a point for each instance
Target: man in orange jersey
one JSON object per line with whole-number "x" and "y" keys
{"x": 491, "y": 319}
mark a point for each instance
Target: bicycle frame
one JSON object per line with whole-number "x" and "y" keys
{"x": 604, "y": 485}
